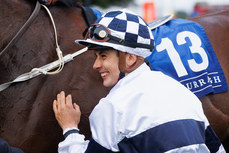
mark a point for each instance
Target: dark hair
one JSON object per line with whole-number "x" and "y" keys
{"x": 98, "y": 47}
{"x": 117, "y": 53}
{"x": 68, "y": 3}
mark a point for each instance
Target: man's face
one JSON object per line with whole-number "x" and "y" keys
{"x": 106, "y": 63}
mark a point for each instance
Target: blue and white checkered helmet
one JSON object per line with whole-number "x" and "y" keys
{"x": 128, "y": 32}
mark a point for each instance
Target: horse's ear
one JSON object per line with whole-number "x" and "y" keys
{"x": 89, "y": 15}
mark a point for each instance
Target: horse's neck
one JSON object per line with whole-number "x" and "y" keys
{"x": 38, "y": 41}
{"x": 13, "y": 15}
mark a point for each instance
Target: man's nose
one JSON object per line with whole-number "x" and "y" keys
{"x": 97, "y": 64}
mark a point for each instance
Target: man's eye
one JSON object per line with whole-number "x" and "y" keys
{"x": 103, "y": 56}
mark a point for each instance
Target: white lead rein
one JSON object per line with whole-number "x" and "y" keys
{"x": 42, "y": 70}
{"x": 58, "y": 51}
{"x": 48, "y": 67}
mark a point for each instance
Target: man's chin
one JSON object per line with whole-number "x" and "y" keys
{"x": 110, "y": 85}
{"x": 105, "y": 85}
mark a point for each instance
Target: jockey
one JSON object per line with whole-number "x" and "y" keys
{"x": 145, "y": 111}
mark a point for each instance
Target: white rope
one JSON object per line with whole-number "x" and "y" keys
{"x": 42, "y": 70}
{"x": 58, "y": 51}
{"x": 59, "y": 64}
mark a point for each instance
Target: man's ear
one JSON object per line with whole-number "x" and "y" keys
{"x": 131, "y": 60}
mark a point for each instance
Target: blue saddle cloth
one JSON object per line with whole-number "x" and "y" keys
{"x": 183, "y": 51}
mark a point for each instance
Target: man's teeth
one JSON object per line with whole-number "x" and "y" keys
{"x": 103, "y": 74}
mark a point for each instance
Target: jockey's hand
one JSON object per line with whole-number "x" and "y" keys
{"x": 67, "y": 113}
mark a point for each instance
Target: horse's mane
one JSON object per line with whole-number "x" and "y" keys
{"x": 68, "y": 3}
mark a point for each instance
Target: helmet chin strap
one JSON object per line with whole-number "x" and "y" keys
{"x": 121, "y": 75}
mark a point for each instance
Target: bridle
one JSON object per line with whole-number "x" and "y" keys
{"x": 23, "y": 29}
{"x": 46, "y": 69}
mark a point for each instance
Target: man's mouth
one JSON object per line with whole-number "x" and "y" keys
{"x": 103, "y": 75}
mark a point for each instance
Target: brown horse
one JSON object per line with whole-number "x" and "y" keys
{"x": 216, "y": 107}
{"x": 26, "y": 117}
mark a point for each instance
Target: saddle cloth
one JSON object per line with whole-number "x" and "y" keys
{"x": 183, "y": 51}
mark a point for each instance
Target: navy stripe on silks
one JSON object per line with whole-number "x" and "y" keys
{"x": 94, "y": 147}
{"x": 165, "y": 137}
{"x": 70, "y": 132}
{"x": 212, "y": 141}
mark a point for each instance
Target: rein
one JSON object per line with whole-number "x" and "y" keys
{"x": 48, "y": 67}
{"x": 23, "y": 29}
{"x": 45, "y": 68}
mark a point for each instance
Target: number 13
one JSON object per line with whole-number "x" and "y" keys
{"x": 166, "y": 44}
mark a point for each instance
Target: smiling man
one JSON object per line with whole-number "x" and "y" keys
{"x": 106, "y": 63}
{"x": 145, "y": 111}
